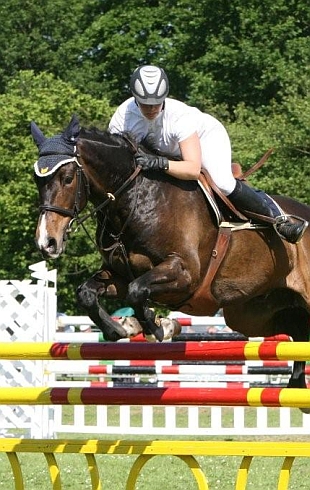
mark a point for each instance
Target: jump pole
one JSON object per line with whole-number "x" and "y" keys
{"x": 183, "y": 351}
{"x": 248, "y": 397}
{"x": 171, "y": 367}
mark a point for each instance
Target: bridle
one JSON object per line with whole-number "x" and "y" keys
{"x": 82, "y": 180}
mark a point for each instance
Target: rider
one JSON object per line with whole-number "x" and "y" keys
{"x": 196, "y": 138}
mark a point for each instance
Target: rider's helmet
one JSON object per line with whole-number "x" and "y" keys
{"x": 149, "y": 85}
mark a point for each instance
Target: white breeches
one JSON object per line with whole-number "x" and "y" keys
{"x": 216, "y": 157}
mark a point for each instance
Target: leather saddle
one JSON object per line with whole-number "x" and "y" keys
{"x": 224, "y": 210}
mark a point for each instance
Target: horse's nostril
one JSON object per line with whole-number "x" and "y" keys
{"x": 51, "y": 244}
{"x": 51, "y": 249}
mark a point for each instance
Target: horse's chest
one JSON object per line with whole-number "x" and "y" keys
{"x": 126, "y": 263}
{"x": 140, "y": 263}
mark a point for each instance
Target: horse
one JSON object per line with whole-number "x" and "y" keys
{"x": 161, "y": 244}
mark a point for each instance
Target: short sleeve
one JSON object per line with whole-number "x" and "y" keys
{"x": 184, "y": 126}
{"x": 117, "y": 122}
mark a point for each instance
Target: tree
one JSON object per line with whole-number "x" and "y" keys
{"x": 32, "y": 34}
{"x": 286, "y": 129}
{"x": 217, "y": 55}
{"x": 50, "y": 102}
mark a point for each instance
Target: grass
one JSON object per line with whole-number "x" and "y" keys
{"x": 159, "y": 473}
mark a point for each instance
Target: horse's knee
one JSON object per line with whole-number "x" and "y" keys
{"x": 86, "y": 296}
{"x": 138, "y": 293}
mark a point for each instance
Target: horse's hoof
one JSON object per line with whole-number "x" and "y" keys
{"x": 305, "y": 410}
{"x": 171, "y": 328}
{"x": 150, "y": 338}
{"x": 131, "y": 325}
{"x": 157, "y": 336}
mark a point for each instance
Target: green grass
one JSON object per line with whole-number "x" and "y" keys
{"x": 160, "y": 473}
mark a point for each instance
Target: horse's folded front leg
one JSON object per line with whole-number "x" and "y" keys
{"x": 106, "y": 284}
{"x": 166, "y": 284}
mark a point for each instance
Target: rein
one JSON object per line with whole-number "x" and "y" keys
{"x": 74, "y": 213}
{"x": 117, "y": 242}
{"x": 111, "y": 197}
{"x": 257, "y": 165}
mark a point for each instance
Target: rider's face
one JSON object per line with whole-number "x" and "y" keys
{"x": 150, "y": 111}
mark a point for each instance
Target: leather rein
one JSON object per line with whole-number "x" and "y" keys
{"x": 82, "y": 180}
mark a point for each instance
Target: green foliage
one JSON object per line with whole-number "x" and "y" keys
{"x": 50, "y": 102}
{"x": 33, "y": 33}
{"x": 222, "y": 53}
{"x": 286, "y": 129}
{"x": 216, "y": 53}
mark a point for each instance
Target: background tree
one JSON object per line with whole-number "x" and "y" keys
{"x": 50, "y": 103}
{"x": 33, "y": 33}
{"x": 216, "y": 54}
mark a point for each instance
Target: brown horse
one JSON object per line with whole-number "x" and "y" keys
{"x": 159, "y": 239}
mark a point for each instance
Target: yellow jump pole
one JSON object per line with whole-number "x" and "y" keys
{"x": 199, "y": 351}
{"x": 253, "y": 397}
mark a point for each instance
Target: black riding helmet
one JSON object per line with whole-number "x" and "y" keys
{"x": 149, "y": 85}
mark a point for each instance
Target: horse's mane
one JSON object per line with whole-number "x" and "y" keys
{"x": 124, "y": 140}
{"x": 121, "y": 140}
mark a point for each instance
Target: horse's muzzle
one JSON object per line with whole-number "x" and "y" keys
{"x": 51, "y": 250}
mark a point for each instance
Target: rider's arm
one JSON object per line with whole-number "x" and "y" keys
{"x": 189, "y": 167}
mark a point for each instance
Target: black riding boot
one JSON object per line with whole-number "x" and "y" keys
{"x": 244, "y": 198}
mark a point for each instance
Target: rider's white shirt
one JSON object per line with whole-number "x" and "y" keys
{"x": 176, "y": 122}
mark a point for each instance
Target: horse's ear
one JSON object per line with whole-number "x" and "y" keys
{"x": 73, "y": 130}
{"x": 37, "y": 134}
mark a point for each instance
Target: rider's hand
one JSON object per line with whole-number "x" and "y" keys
{"x": 151, "y": 162}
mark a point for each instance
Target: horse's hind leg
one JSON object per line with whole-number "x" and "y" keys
{"x": 295, "y": 322}
{"x": 103, "y": 283}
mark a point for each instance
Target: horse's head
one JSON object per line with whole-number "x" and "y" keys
{"x": 62, "y": 187}
{"x": 74, "y": 166}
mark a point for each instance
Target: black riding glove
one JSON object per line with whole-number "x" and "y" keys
{"x": 151, "y": 162}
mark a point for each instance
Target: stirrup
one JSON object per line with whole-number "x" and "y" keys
{"x": 290, "y": 221}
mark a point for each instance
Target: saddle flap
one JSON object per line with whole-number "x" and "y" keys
{"x": 213, "y": 193}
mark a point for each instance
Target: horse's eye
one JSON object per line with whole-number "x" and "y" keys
{"x": 68, "y": 179}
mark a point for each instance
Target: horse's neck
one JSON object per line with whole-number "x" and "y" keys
{"x": 107, "y": 183}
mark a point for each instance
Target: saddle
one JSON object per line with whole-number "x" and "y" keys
{"x": 223, "y": 208}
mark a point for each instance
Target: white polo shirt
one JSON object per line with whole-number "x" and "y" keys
{"x": 176, "y": 122}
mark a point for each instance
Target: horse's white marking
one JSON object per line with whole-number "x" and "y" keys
{"x": 43, "y": 237}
